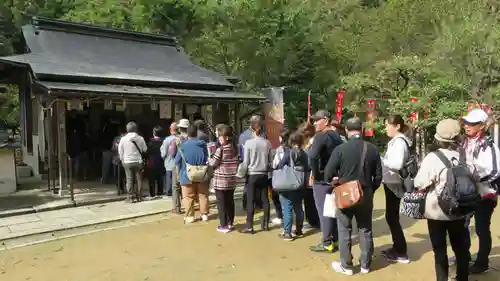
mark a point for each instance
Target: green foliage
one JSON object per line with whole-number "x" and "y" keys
{"x": 395, "y": 84}
{"x": 440, "y": 51}
{"x": 9, "y": 104}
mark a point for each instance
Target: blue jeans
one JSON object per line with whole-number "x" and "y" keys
{"x": 168, "y": 183}
{"x": 328, "y": 225}
{"x": 291, "y": 201}
{"x": 363, "y": 213}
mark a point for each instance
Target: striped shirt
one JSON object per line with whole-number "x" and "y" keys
{"x": 225, "y": 163}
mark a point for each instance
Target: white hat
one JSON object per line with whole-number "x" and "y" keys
{"x": 476, "y": 115}
{"x": 183, "y": 123}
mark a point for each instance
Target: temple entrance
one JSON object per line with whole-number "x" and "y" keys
{"x": 92, "y": 129}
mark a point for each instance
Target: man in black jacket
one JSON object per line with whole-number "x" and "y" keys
{"x": 325, "y": 141}
{"x": 355, "y": 160}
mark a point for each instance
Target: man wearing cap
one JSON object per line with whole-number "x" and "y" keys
{"x": 325, "y": 141}
{"x": 169, "y": 160}
{"x": 485, "y": 156}
{"x": 172, "y": 151}
{"x": 355, "y": 160}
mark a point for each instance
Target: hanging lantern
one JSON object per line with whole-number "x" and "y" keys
{"x": 414, "y": 115}
{"x": 486, "y": 108}
{"x": 339, "y": 105}
{"x": 370, "y": 118}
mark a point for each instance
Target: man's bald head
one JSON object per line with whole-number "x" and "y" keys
{"x": 173, "y": 128}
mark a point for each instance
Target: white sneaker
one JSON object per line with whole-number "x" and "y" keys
{"x": 276, "y": 221}
{"x": 365, "y": 270}
{"x": 189, "y": 219}
{"x": 338, "y": 268}
{"x": 204, "y": 217}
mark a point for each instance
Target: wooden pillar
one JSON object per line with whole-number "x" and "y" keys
{"x": 49, "y": 136}
{"x": 237, "y": 122}
{"x": 61, "y": 147}
{"x": 220, "y": 113}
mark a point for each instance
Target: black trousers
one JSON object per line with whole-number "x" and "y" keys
{"x": 392, "y": 217}
{"x": 276, "y": 201}
{"x": 310, "y": 210}
{"x": 225, "y": 206}
{"x": 257, "y": 187}
{"x": 120, "y": 178}
{"x": 155, "y": 179}
{"x": 482, "y": 216}
{"x": 257, "y": 199}
{"x": 438, "y": 230}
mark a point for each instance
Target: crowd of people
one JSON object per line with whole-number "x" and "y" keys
{"x": 315, "y": 161}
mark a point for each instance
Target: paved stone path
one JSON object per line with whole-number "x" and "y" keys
{"x": 70, "y": 218}
{"x": 23, "y": 230}
{"x": 73, "y": 217}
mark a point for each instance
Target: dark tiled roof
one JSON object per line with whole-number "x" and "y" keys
{"x": 100, "y": 90}
{"x": 76, "y": 50}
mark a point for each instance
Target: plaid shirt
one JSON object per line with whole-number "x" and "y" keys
{"x": 225, "y": 163}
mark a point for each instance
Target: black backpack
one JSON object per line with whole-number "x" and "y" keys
{"x": 410, "y": 168}
{"x": 460, "y": 195}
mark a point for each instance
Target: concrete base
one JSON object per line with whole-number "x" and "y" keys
{"x": 24, "y": 171}
{"x": 63, "y": 192}
{"x": 7, "y": 185}
{"x": 8, "y": 182}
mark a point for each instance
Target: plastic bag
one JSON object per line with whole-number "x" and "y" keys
{"x": 329, "y": 208}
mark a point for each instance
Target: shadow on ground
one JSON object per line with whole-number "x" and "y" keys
{"x": 25, "y": 199}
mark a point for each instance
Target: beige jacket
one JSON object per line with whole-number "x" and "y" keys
{"x": 432, "y": 177}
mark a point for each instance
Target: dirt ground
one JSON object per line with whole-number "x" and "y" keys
{"x": 169, "y": 250}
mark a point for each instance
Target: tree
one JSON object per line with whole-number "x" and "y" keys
{"x": 9, "y": 104}
{"x": 392, "y": 50}
{"x": 394, "y": 84}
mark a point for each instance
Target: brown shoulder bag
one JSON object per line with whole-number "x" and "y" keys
{"x": 350, "y": 194}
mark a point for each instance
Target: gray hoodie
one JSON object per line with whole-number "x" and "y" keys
{"x": 395, "y": 157}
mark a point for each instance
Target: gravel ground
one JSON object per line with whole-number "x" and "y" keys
{"x": 169, "y": 250}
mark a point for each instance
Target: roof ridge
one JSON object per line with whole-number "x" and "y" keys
{"x": 42, "y": 23}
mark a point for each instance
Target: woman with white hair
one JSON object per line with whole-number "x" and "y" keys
{"x": 131, "y": 150}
